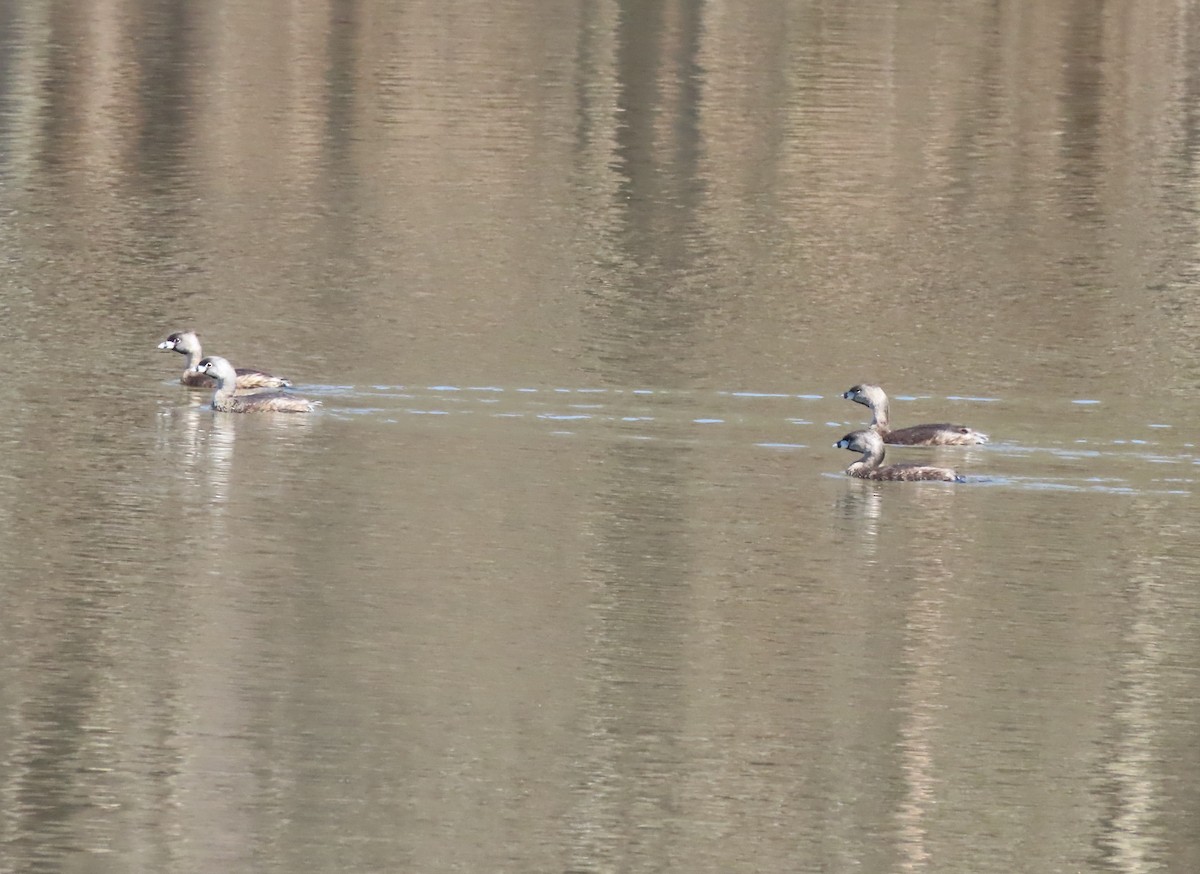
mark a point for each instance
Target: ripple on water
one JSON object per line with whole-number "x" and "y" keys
{"x": 759, "y": 412}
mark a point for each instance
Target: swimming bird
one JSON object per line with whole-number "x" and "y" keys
{"x": 874, "y": 398}
{"x": 226, "y": 401}
{"x": 870, "y": 444}
{"x": 187, "y": 343}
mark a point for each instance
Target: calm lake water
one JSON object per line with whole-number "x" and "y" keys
{"x": 565, "y": 575}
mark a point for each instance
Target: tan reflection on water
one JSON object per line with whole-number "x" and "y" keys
{"x": 564, "y": 575}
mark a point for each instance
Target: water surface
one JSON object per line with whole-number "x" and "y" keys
{"x": 564, "y": 575}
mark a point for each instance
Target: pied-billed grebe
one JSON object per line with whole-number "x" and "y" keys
{"x": 187, "y": 343}
{"x": 226, "y": 401}
{"x": 870, "y": 444}
{"x": 874, "y": 398}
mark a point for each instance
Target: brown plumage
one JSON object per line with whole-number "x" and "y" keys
{"x": 226, "y": 401}
{"x": 870, "y": 444}
{"x": 874, "y": 398}
{"x": 188, "y": 344}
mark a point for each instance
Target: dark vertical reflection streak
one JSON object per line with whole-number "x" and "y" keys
{"x": 47, "y": 794}
{"x": 164, "y": 60}
{"x": 59, "y": 118}
{"x": 647, "y": 320}
{"x": 1176, "y": 298}
{"x": 10, "y": 38}
{"x": 641, "y": 571}
{"x": 639, "y": 34}
{"x": 1082, "y": 107}
{"x": 643, "y": 327}
{"x": 588, "y": 72}
{"x": 980, "y": 108}
{"x": 340, "y": 79}
{"x": 336, "y": 229}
